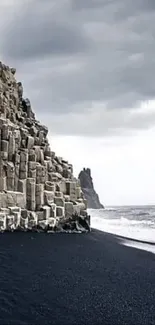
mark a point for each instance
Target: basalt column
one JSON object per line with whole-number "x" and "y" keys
{"x": 38, "y": 190}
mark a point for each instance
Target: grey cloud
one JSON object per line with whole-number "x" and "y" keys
{"x": 36, "y": 32}
{"x": 73, "y": 55}
{"x": 89, "y": 4}
{"x": 59, "y": 39}
{"x": 123, "y": 7}
{"x": 103, "y": 123}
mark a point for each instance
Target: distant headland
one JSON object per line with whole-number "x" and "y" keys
{"x": 87, "y": 186}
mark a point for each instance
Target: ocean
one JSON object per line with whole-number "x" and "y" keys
{"x": 134, "y": 223}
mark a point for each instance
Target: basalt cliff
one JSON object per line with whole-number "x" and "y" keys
{"x": 38, "y": 191}
{"x": 87, "y": 186}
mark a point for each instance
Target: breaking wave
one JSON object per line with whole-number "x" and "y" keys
{"x": 130, "y": 222}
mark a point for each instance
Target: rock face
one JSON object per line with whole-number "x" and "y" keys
{"x": 37, "y": 189}
{"x": 87, "y": 186}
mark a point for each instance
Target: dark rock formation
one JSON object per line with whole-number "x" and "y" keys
{"x": 37, "y": 189}
{"x": 87, "y": 187}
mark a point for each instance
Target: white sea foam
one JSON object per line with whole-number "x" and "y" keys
{"x": 145, "y": 247}
{"x": 130, "y": 222}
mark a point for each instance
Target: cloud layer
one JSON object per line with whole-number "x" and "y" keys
{"x": 87, "y": 65}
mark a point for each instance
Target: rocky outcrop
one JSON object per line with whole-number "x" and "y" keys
{"x": 37, "y": 188}
{"x": 87, "y": 186}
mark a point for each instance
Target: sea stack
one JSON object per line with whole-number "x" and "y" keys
{"x": 37, "y": 188}
{"x": 87, "y": 186}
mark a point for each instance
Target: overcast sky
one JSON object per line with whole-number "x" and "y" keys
{"x": 88, "y": 68}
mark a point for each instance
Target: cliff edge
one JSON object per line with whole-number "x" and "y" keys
{"x": 87, "y": 186}
{"x": 38, "y": 190}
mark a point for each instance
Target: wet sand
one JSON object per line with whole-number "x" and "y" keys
{"x": 75, "y": 279}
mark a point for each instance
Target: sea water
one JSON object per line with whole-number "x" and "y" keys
{"x": 135, "y": 223}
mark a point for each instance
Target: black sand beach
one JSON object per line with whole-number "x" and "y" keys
{"x": 75, "y": 279}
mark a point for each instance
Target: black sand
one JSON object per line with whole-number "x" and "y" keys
{"x": 73, "y": 279}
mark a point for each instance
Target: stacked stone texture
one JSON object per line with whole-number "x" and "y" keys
{"x": 37, "y": 189}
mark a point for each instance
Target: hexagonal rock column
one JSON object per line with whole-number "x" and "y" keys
{"x": 37, "y": 188}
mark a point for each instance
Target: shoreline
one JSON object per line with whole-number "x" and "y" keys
{"x": 80, "y": 231}
{"x": 139, "y": 241}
